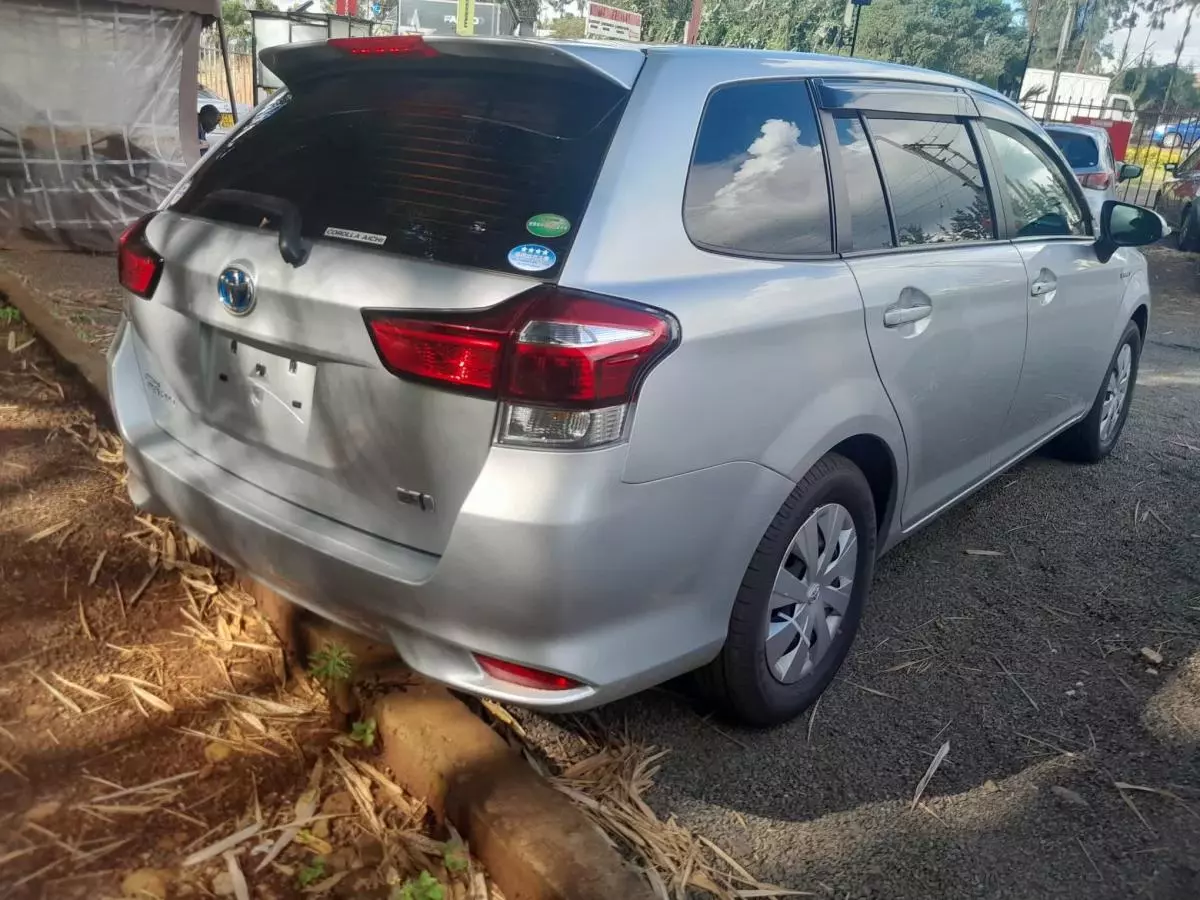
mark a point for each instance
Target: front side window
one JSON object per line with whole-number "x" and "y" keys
{"x": 934, "y": 180}
{"x": 757, "y": 181}
{"x": 1039, "y": 197}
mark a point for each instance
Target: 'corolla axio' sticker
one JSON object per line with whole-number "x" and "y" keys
{"x": 531, "y": 258}
{"x": 363, "y": 237}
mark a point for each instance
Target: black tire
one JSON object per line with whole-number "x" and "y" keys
{"x": 739, "y": 681}
{"x": 1188, "y": 236}
{"x": 1083, "y": 442}
{"x": 1172, "y": 140}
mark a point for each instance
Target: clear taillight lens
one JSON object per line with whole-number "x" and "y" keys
{"x": 138, "y": 266}
{"x": 565, "y": 365}
{"x": 1098, "y": 181}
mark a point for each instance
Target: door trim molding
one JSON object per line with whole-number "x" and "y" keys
{"x": 905, "y": 531}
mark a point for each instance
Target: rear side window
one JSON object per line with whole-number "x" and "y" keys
{"x": 1079, "y": 149}
{"x": 870, "y": 228}
{"x": 934, "y": 179}
{"x": 471, "y": 163}
{"x": 757, "y": 181}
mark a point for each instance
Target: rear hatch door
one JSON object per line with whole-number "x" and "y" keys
{"x": 418, "y": 176}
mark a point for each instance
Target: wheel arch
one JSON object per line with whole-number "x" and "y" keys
{"x": 1141, "y": 317}
{"x": 874, "y": 458}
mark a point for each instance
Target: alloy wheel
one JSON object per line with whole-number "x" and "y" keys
{"x": 1116, "y": 391}
{"x": 811, "y": 593}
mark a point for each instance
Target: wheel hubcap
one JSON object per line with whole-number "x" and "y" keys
{"x": 811, "y": 593}
{"x": 1116, "y": 390}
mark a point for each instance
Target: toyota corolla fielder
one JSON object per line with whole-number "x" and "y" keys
{"x": 569, "y": 368}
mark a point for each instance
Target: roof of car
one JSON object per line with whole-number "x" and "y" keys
{"x": 813, "y": 64}
{"x": 1092, "y": 131}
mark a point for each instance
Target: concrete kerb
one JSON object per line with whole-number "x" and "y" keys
{"x": 535, "y": 843}
{"x": 82, "y": 357}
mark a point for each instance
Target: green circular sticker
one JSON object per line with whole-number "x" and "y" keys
{"x": 547, "y": 225}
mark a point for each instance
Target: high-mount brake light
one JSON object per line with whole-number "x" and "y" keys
{"x": 385, "y": 45}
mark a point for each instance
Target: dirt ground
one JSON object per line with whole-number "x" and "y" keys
{"x": 1074, "y": 760}
{"x": 146, "y": 713}
{"x": 1062, "y": 665}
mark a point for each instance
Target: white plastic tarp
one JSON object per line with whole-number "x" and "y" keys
{"x": 92, "y": 134}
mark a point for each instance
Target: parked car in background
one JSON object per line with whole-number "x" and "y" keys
{"x": 647, "y": 393}
{"x": 1176, "y": 200}
{"x": 208, "y": 103}
{"x": 1089, "y": 153}
{"x": 1171, "y": 135}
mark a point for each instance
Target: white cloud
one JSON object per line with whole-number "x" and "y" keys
{"x": 775, "y": 186}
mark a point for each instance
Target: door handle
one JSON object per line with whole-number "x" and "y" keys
{"x": 895, "y": 316}
{"x": 1044, "y": 284}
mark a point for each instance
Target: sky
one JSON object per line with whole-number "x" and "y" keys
{"x": 1162, "y": 43}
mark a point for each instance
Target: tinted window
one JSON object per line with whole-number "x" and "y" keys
{"x": 1189, "y": 163}
{"x": 444, "y": 161}
{"x": 1079, "y": 149}
{"x": 1038, "y": 194}
{"x": 870, "y": 228}
{"x": 934, "y": 180}
{"x": 757, "y": 182}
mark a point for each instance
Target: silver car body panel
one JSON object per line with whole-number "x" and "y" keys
{"x": 616, "y": 567}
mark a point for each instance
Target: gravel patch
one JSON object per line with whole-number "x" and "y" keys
{"x": 1030, "y": 663}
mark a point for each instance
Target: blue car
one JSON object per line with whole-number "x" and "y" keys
{"x": 1183, "y": 133}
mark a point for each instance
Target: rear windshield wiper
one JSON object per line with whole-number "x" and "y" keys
{"x": 292, "y": 246}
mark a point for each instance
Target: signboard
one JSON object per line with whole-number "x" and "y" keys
{"x": 610, "y": 22}
{"x": 442, "y": 17}
{"x": 464, "y": 23}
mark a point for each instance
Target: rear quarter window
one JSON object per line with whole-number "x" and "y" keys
{"x": 757, "y": 182}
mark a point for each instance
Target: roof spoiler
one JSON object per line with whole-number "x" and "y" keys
{"x": 295, "y": 63}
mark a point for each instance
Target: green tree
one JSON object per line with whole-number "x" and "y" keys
{"x": 1148, "y": 86}
{"x": 237, "y": 21}
{"x": 978, "y": 39}
{"x": 567, "y": 27}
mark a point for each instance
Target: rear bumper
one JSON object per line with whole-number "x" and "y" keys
{"x": 553, "y": 562}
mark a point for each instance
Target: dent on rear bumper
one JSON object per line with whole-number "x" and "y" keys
{"x": 553, "y": 561}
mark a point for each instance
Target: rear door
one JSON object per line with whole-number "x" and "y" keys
{"x": 944, "y": 299}
{"x": 424, "y": 179}
{"x": 1073, "y": 298}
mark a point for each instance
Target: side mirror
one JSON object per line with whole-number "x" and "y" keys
{"x": 1126, "y": 225}
{"x": 1129, "y": 171}
{"x": 1169, "y": 167}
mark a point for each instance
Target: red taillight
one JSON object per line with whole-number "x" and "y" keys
{"x": 566, "y": 364}
{"x": 463, "y": 354}
{"x": 524, "y": 676}
{"x": 545, "y": 346}
{"x": 138, "y": 266}
{"x": 1099, "y": 181}
{"x": 394, "y": 45}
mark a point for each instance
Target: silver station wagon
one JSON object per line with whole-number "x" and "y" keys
{"x": 572, "y": 367}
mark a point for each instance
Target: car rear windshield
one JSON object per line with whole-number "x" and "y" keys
{"x": 463, "y": 162}
{"x": 1080, "y": 150}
